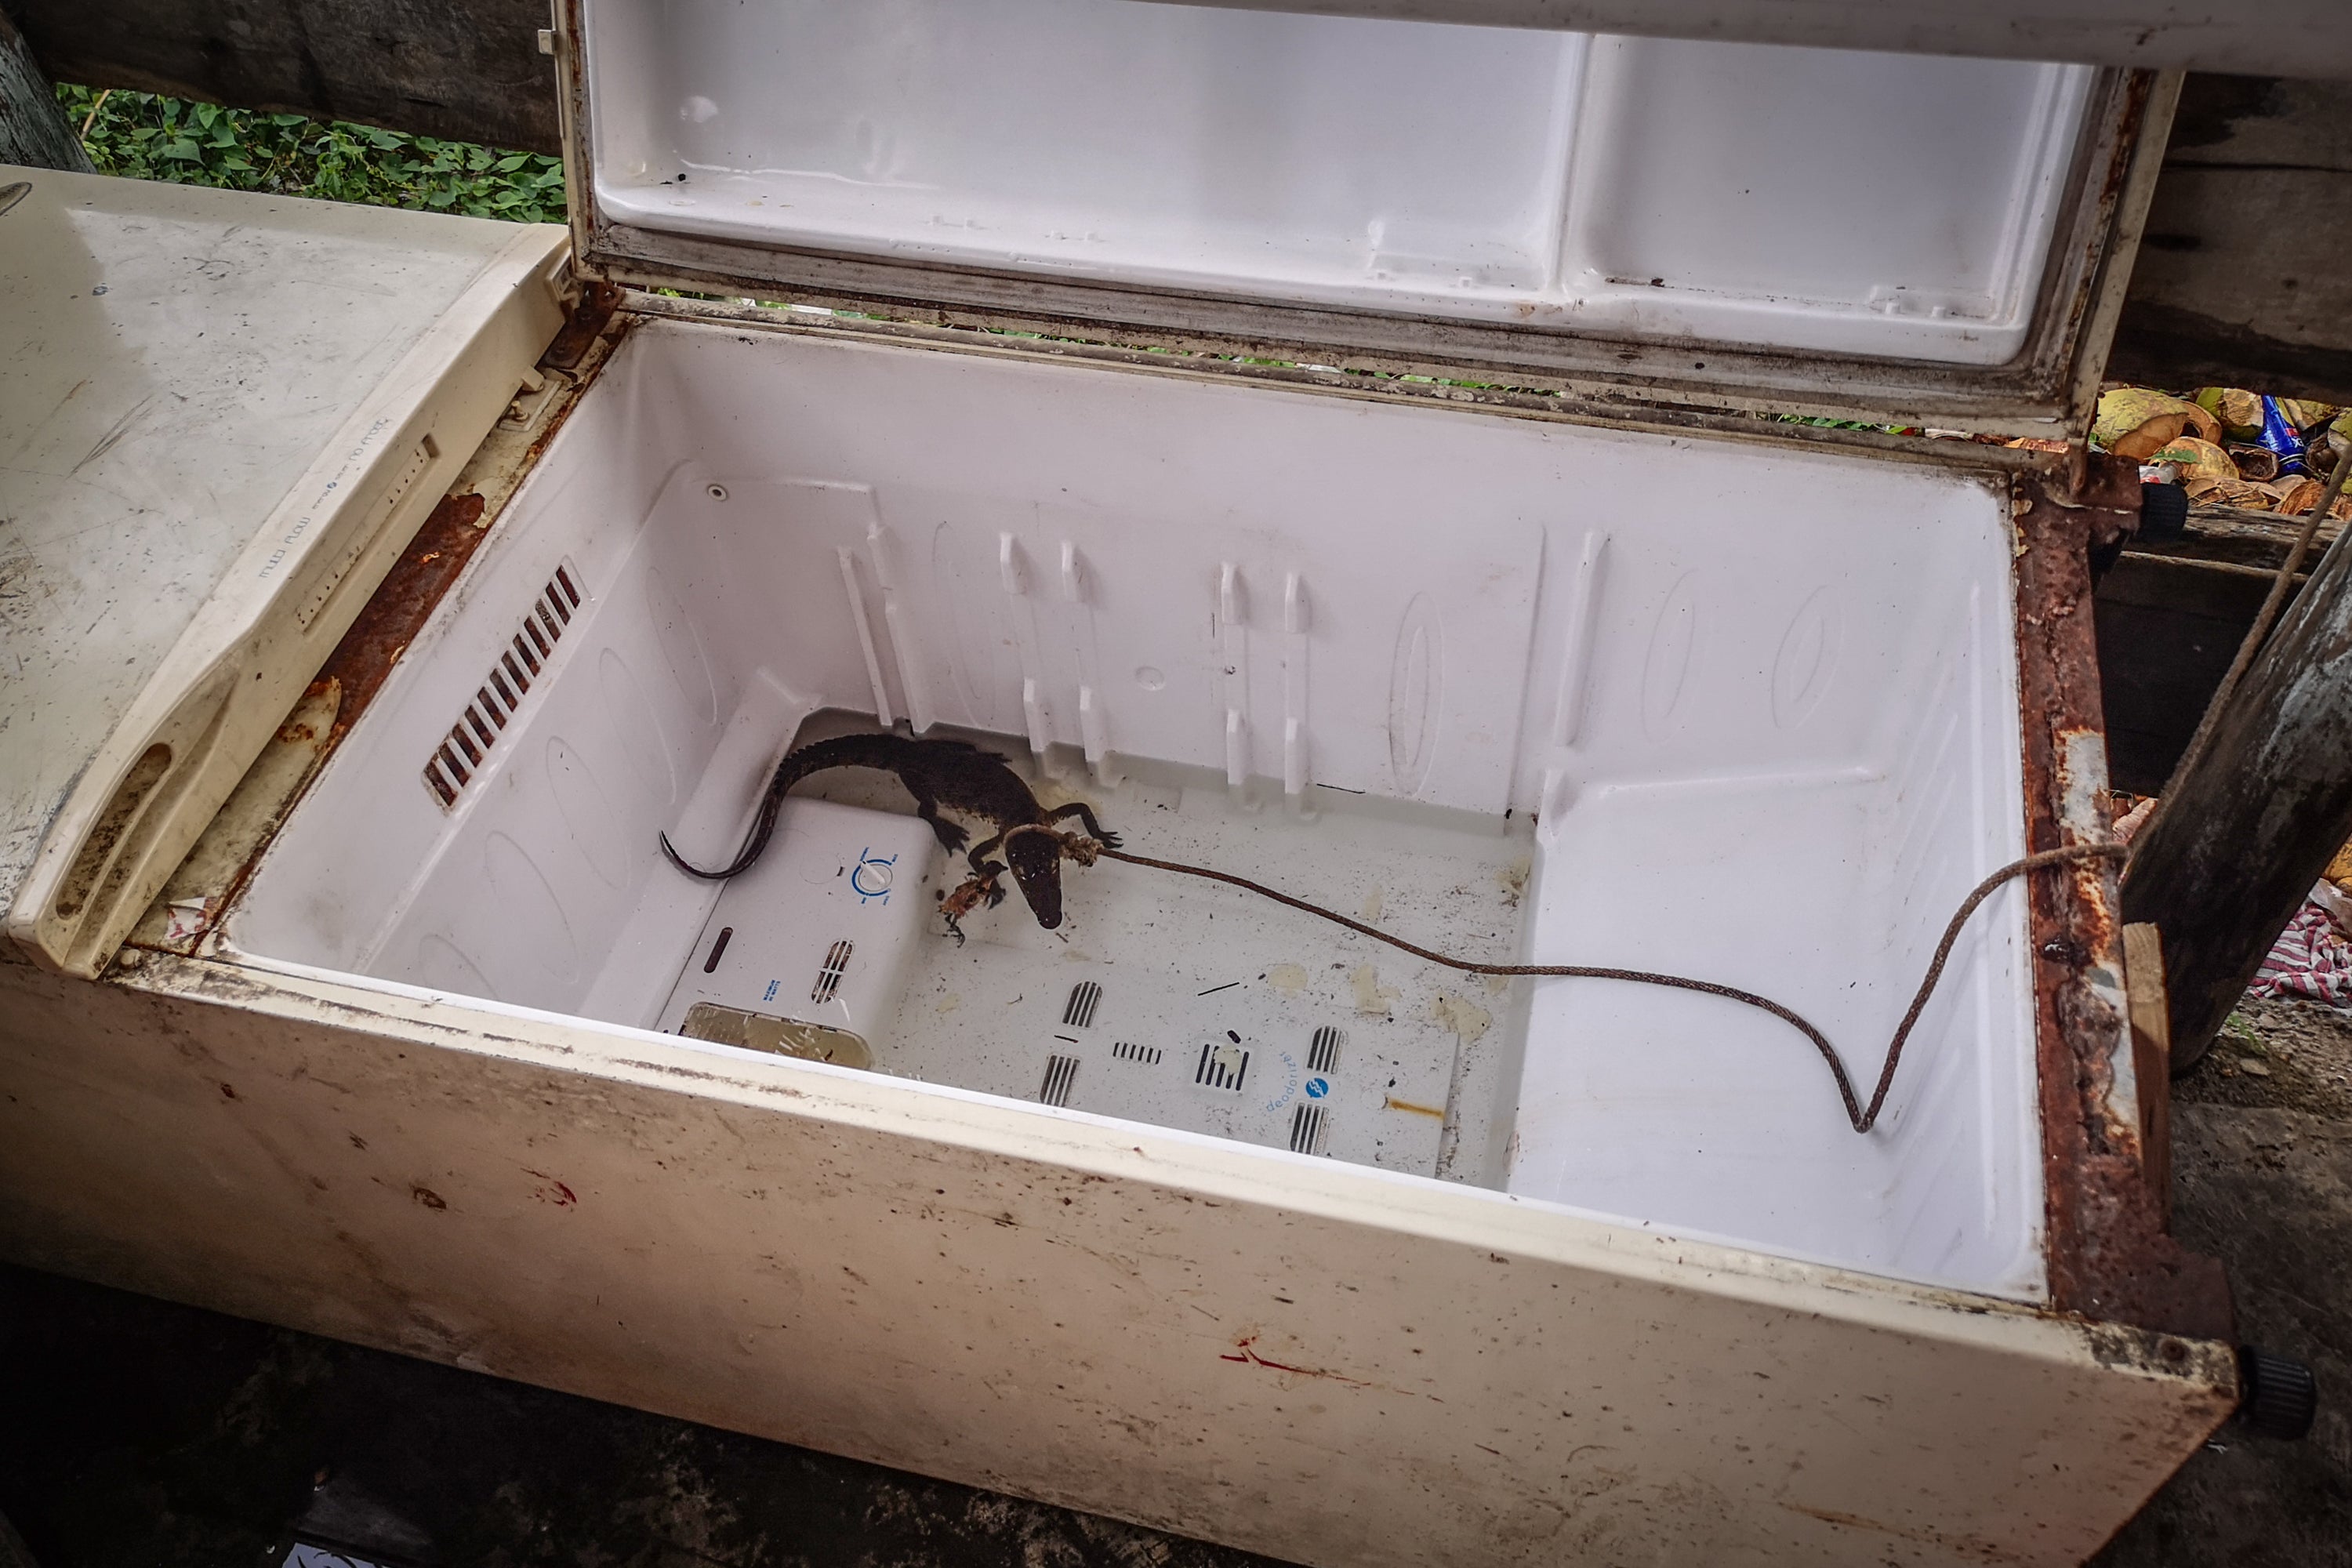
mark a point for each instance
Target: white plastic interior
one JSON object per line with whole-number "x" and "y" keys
{"x": 1884, "y": 206}
{"x": 1763, "y": 700}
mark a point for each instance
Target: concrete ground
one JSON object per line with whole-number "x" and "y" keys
{"x": 137, "y": 1432}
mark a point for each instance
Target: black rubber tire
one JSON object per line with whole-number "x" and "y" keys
{"x": 2277, "y": 1397}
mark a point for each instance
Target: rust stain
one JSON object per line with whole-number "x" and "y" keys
{"x": 412, "y": 589}
{"x": 562, "y": 1196}
{"x": 1244, "y": 1352}
{"x": 587, "y": 322}
{"x": 2109, "y": 1257}
{"x": 1392, "y": 1103}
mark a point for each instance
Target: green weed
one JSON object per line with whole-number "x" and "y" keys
{"x": 148, "y": 137}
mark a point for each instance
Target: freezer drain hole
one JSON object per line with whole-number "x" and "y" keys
{"x": 461, "y": 752}
{"x": 1060, "y": 1073}
{"x": 828, "y": 979}
{"x": 1306, "y": 1129}
{"x": 1223, "y": 1066}
{"x": 1323, "y": 1051}
{"x": 1080, "y": 1011}
{"x": 1125, "y": 1051}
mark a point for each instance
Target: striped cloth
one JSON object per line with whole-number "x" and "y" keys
{"x": 2311, "y": 958}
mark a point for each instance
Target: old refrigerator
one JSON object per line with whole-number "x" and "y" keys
{"x": 1436, "y": 471}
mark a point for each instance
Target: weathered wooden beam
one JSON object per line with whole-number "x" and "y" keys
{"x": 469, "y": 70}
{"x": 2241, "y": 278}
{"x": 2289, "y": 38}
{"x": 2167, "y": 628}
{"x": 32, "y": 132}
{"x": 2243, "y": 836}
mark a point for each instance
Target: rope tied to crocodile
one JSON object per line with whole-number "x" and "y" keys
{"x": 1086, "y": 851}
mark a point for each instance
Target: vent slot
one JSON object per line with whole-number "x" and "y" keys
{"x": 1323, "y": 1051}
{"x": 1307, "y": 1124}
{"x": 461, "y": 754}
{"x": 828, "y": 979}
{"x": 1147, "y": 1055}
{"x": 1079, "y": 1012}
{"x": 1060, "y": 1073}
{"x": 718, "y": 949}
{"x": 1224, "y": 1065}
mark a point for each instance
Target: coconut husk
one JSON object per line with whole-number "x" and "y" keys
{"x": 2298, "y": 495}
{"x": 2255, "y": 463}
{"x": 2199, "y": 459}
{"x": 2303, "y": 413}
{"x": 2239, "y": 412}
{"x": 2135, "y": 421}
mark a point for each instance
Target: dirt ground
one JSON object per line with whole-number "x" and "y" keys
{"x": 2262, "y": 1180}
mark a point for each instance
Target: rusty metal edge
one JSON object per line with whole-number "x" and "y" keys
{"x": 433, "y": 563}
{"x": 2109, "y": 1254}
{"x": 1600, "y": 412}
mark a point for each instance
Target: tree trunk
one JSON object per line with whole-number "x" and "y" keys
{"x": 2238, "y": 843}
{"x": 32, "y": 130}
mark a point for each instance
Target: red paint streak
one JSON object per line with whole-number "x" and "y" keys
{"x": 564, "y": 1201}
{"x": 1247, "y": 1357}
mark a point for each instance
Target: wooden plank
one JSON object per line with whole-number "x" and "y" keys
{"x": 2167, "y": 628}
{"x": 32, "y": 132}
{"x": 2239, "y": 841}
{"x": 467, "y": 70}
{"x": 2151, "y": 1029}
{"x": 2296, "y": 37}
{"x": 2261, "y": 540}
{"x": 2241, "y": 280}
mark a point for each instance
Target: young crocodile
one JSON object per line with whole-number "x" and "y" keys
{"x": 950, "y": 773}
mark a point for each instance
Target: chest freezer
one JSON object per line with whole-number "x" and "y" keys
{"x": 1353, "y": 456}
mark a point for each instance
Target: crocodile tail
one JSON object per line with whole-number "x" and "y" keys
{"x": 755, "y": 843}
{"x": 795, "y": 767}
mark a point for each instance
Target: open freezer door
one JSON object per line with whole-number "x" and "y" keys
{"x": 222, "y": 416}
{"x": 1636, "y": 223}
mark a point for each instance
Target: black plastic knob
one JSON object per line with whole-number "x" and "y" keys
{"x": 2277, "y": 1397}
{"x": 2163, "y": 512}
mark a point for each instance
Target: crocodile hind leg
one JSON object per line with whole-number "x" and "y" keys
{"x": 951, "y": 836}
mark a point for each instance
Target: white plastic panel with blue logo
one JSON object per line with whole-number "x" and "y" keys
{"x": 821, "y": 930}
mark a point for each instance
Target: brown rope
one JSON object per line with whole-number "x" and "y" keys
{"x": 1863, "y": 1119}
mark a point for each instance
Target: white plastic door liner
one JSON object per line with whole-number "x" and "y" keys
{"x": 1884, "y": 206}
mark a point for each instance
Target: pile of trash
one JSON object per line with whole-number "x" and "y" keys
{"x": 2227, "y": 447}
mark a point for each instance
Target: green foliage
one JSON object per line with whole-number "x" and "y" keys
{"x": 151, "y": 138}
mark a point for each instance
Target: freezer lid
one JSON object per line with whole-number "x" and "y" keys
{"x": 1895, "y": 237}
{"x": 222, "y": 416}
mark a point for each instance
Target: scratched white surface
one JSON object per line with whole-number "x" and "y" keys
{"x": 171, "y": 359}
